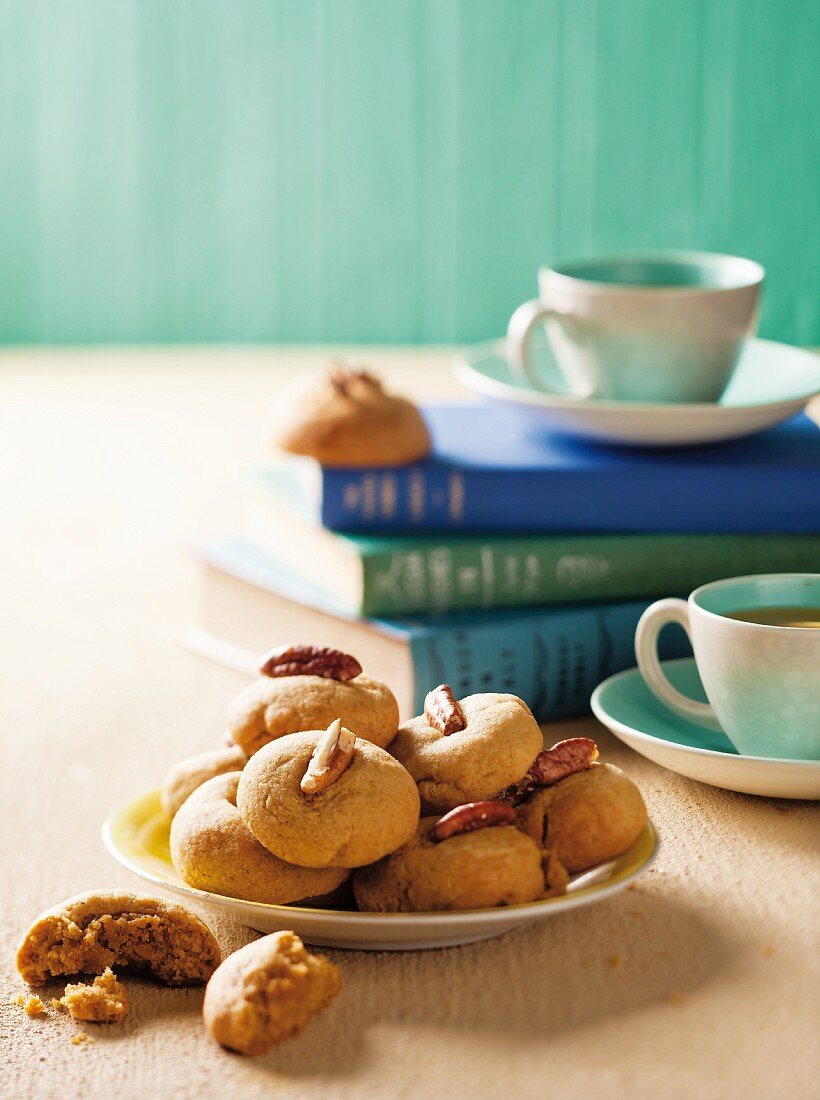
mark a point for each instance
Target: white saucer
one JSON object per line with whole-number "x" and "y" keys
{"x": 136, "y": 835}
{"x": 771, "y": 383}
{"x": 626, "y": 706}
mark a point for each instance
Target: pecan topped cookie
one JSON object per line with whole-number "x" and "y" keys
{"x": 306, "y": 688}
{"x": 472, "y": 858}
{"x": 347, "y": 418}
{"x": 469, "y": 749}
{"x": 587, "y": 817}
{"x": 324, "y": 798}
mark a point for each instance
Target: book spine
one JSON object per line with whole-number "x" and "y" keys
{"x": 553, "y": 660}
{"x": 470, "y": 574}
{"x": 435, "y": 497}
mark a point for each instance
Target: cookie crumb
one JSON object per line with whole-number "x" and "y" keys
{"x": 675, "y": 999}
{"x": 615, "y": 961}
{"x": 57, "y": 1004}
{"x": 767, "y": 950}
{"x": 32, "y": 1005}
{"x": 79, "y": 1038}
{"x": 104, "y": 1002}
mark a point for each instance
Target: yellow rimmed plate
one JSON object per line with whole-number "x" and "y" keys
{"x": 136, "y": 835}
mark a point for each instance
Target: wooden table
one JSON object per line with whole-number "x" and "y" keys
{"x": 702, "y": 981}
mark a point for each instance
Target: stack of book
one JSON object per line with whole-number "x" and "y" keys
{"x": 510, "y": 560}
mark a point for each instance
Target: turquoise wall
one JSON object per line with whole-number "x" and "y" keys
{"x": 389, "y": 170}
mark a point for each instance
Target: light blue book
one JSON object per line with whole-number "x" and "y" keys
{"x": 552, "y": 657}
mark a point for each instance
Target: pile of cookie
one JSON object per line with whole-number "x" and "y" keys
{"x": 322, "y": 798}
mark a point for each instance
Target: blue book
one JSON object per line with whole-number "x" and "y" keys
{"x": 552, "y": 658}
{"x": 499, "y": 469}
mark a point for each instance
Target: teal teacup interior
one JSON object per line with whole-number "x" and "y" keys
{"x": 701, "y": 271}
{"x": 768, "y": 591}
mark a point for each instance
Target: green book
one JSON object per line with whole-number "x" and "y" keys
{"x": 389, "y": 576}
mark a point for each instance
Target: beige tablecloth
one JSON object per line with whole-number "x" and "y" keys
{"x": 702, "y": 981}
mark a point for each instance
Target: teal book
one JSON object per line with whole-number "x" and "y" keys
{"x": 401, "y": 575}
{"x": 552, "y": 658}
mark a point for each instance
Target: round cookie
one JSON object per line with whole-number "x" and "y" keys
{"x": 273, "y": 707}
{"x": 474, "y": 870}
{"x": 493, "y": 751}
{"x": 369, "y": 810}
{"x": 113, "y": 928}
{"x": 348, "y": 419}
{"x": 213, "y": 850}
{"x": 586, "y": 818}
{"x": 266, "y": 992}
{"x": 184, "y": 777}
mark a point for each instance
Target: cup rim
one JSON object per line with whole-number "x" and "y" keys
{"x": 561, "y": 271}
{"x": 693, "y": 599}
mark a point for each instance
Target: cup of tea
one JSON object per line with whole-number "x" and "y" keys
{"x": 651, "y": 327}
{"x": 756, "y": 642}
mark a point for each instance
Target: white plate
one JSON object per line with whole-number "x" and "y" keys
{"x": 137, "y": 836}
{"x": 771, "y": 383}
{"x": 626, "y": 706}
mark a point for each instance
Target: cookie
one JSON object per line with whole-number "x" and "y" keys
{"x": 184, "y": 778}
{"x": 497, "y": 741}
{"x": 103, "y": 1002}
{"x": 266, "y": 992}
{"x": 213, "y": 849}
{"x": 302, "y": 691}
{"x": 348, "y": 419}
{"x": 470, "y": 870}
{"x": 587, "y": 818}
{"x": 113, "y": 928}
{"x": 366, "y": 810}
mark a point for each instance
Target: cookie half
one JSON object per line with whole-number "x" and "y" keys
{"x": 113, "y": 928}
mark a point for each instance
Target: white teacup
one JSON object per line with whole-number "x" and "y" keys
{"x": 653, "y": 327}
{"x": 762, "y": 681}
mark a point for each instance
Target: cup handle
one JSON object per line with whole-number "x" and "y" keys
{"x": 519, "y": 331}
{"x": 650, "y": 624}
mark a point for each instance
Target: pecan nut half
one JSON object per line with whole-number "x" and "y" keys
{"x": 345, "y": 378}
{"x": 442, "y": 711}
{"x": 576, "y": 754}
{"x": 550, "y": 766}
{"x": 310, "y": 660}
{"x": 330, "y": 758}
{"x": 471, "y": 816}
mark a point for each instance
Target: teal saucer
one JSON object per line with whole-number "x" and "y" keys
{"x": 771, "y": 383}
{"x": 626, "y": 706}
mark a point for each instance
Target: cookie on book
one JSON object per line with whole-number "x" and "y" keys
{"x": 347, "y": 418}
{"x": 471, "y": 858}
{"x": 467, "y": 750}
{"x": 305, "y": 688}
{"x": 589, "y": 817}
{"x": 114, "y": 928}
{"x": 213, "y": 849}
{"x": 326, "y": 798}
{"x": 266, "y": 992}
{"x": 184, "y": 777}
